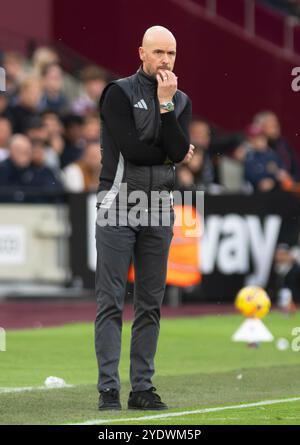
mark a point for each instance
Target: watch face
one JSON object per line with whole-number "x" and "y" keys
{"x": 169, "y": 106}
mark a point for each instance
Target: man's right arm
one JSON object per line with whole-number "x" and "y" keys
{"x": 117, "y": 114}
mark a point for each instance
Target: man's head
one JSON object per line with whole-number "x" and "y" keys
{"x": 20, "y": 150}
{"x": 92, "y": 156}
{"x": 13, "y": 63}
{"x": 52, "y": 78}
{"x": 94, "y": 80}
{"x": 52, "y": 123}
{"x": 91, "y": 127}
{"x": 200, "y": 133}
{"x": 158, "y": 50}
{"x": 73, "y": 127}
{"x": 269, "y": 123}
{"x": 35, "y": 128}
{"x": 39, "y": 151}
{"x": 30, "y": 92}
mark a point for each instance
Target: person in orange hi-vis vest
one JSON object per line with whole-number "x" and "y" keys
{"x": 183, "y": 264}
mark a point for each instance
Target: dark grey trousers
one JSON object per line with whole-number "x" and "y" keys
{"x": 149, "y": 247}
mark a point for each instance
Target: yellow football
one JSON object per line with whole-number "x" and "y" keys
{"x": 253, "y": 301}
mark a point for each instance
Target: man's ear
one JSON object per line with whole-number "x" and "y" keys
{"x": 142, "y": 53}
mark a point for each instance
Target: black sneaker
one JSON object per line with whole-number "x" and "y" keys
{"x": 145, "y": 400}
{"x": 109, "y": 399}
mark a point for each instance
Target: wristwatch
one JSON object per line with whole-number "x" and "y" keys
{"x": 169, "y": 106}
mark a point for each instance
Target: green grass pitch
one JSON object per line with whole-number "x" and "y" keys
{"x": 197, "y": 367}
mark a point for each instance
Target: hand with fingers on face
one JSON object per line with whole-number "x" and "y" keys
{"x": 167, "y": 86}
{"x": 189, "y": 155}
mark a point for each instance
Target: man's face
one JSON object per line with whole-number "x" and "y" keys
{"x": 38, "y": 153}
{"x": 30, "y": 95}
{"x": 271, "y": 127}
{"x": 53, "y": 80}
{"x": 37, "y": 133}
{"x": 159, "y": 55}
{"x": 21, "y": 153}
{"x": 200, "y": 134}
{"x": 91, "y": 129}
{"x": 259, "y": 142}
{"x": 94, "y": 88}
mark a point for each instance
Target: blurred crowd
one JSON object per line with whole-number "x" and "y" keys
{"x": 50, "y": 136}
{"x": 258, "y": 159}
{"x": 49, "y": 124}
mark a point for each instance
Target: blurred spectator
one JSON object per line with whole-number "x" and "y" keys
{"x": 201, "y": 164}
{"x": 270, "y": 125}
{"x": 55, "y": 131}
{"x": 184, "y": 178}
{"x": 14, "y": 65}
{"x": 5, "y": 135}
{"x": 74, "y": 142}
{"x": 91, "y": 127}
{"x": 94, "y": 80}
{"x": 231, "y": 166}
{"x": 263, "y": 168}
{"x": 83, "y": 175}
{"x": 287, "y": 275}
{"x": 53, "y": 97}
{"x": 42, "y": 57}
{"x": 37, "y": 130}
{"x": 44, "y": 177}
{"x": 16, "y": 170}
{"x": 28, "y": 101}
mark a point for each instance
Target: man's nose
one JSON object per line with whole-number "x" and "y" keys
{"x": 165, "y": 59}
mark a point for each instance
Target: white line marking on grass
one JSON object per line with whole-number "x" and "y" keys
{"x": 187, "y": 413}
{"x": 30, "y": 388}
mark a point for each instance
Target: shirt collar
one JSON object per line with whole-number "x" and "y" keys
{"x": 145, "y": 78}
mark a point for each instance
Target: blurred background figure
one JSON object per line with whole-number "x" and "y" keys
{"x": 184, "y": 178}
{"x": 55, "y": 135}
{"x": 16, "y": 170}
{"x": 263, "y": 167}
{"x": 14, "y": 65}
{"x": 91, "y": 127}
{"x": 287, "y": 276}
{"x": 73, "y": 138}
{"x": 271, "y": 128}
{"x": 94, "y": 80}
{"x": 53, "y": 96}
{"x": 42, "y": 57}
{"x": 201, "y": 165}
{"x": 83, "y": 175}
{"x": 37, "y": 130}
{"x": 27, "y": 106}
{"x": 45, "y": 178}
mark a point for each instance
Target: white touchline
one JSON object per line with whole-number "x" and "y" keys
{"x": 186, "y": 413}
{"x": 8, "y": 390}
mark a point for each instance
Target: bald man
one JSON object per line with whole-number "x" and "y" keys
{"x": 144, "y": 122}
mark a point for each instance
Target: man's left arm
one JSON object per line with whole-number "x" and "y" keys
{"x": 175, "y": 133}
